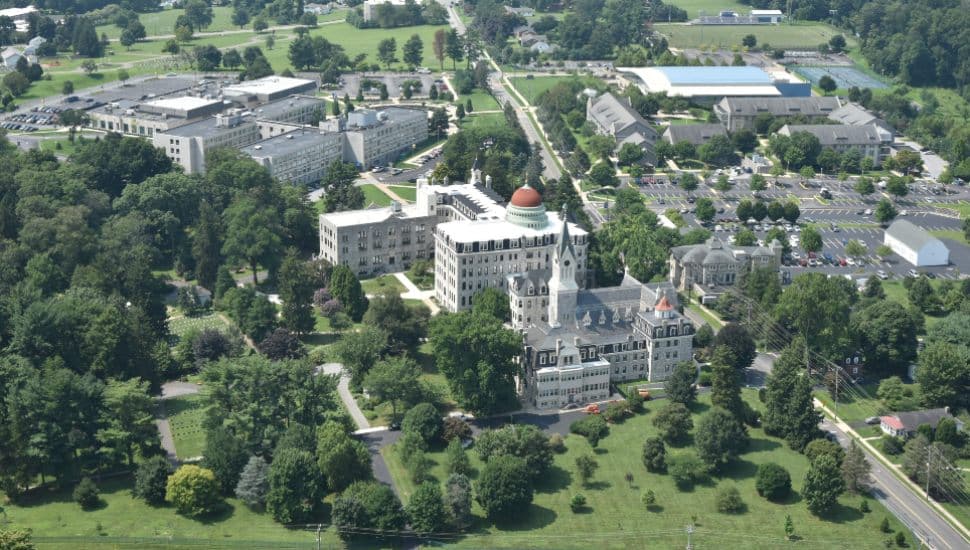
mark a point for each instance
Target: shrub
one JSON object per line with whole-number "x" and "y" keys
{"x": 728, "y": 500}
{"x": 593, "y": 427}
{"x": 150, "y": 479}
{"x": 884, "y": 526}
{"x": 86, "y": 494}
{"x": 409, "y": 444}
{"x": 194, "y": 491}
{"x": 419, "y": 466}
{"x": 616, "y": 411}
{"x": 367, "y": 505}
{"x": 864, "y": 507}
{"x": 635, "y": 400}
{"x": 456, "y": 428}
{"x": 686, "y": 469}
{"x": 425, "y": 420}
{"x": 504, "y": 488}
{"x": 773, "y": 481}
{"x": 577, "y": 503}
{"x": 891, "y": 445}
{"x": 456, "y": 461}
{"x": 654, "y": 454}
{"x": 649, "y": 499}
{"x": 900, "y": 539}
{"x": 819, "y": 447}
{"x": 557, "y": 443}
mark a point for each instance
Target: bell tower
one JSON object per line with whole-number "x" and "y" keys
{"x": 563, "y": 288}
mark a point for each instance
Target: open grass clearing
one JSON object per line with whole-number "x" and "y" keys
{"x": 531, "y": 88}
{"x": 406, "y": 192}
{"x": 481, "y": 101}
{"x": 128, "y": 523}
{"x": 615, "y": 517}
{"x": 802, "y": 36}
{"x": 384, "y": 283}
{"x": 185, "y": 416}
{"x": 488, "y": 120}
{"x": 709, "y": 7}
{"x": 373, "y": 196}
{"x": 163, "y": 22}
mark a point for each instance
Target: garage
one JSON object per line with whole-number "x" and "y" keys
{"x": 915, "y": 245}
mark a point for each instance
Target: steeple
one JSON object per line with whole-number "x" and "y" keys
{"x": 563, "y": 288}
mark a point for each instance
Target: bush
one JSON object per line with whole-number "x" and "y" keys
{"x": 456, "y": 428}
{"x": 673, "y": 421}
{"x": 150, "y": 479}
{"x": 686, "y": 469}
{"x": 86, "y": 494}
{"x": 900, "y": 539}
{"x": 892, "y": 445}
{"x": 557, "y": 443}
{"x": 593, "y": 427}
{"x": 773, "y": 481}
{"x": 504, "y": 488}
{"x": 616, "y": 411}
{"x": 728, "y": 500}
{"x": 424, "y": 420}
{"x": 884, "y": 526}
{"x": 577, "y": 503}
{"x": 864, "y": 507}
{"x": 635, "y": 400}
{"x": 194, "y": 491}
{"x": 654, "y": 454}
{"x": 819, "y": 447}
{"x": 409, "y": 444}
{"x": 419, "y": 466}
{"x": 649, "y": 499}
{"x": 456, "y": 461}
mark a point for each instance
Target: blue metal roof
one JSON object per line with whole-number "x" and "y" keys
{"x": 686, "y": 76}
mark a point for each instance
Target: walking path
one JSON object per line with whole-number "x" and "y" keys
{"x": 170, "y": 390}
{"x": 343, "y": 389}
{"x": 415, "y": 293}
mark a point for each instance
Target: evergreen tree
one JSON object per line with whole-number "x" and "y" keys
{"x": 680, "y": 385}
{"x": 345, "y": 287}
{"x": 725, "y": 382}
{"x": 296, "y": 286}
{"x": 855, "y": 469}
{"x": 207, "y": 245}
{"x": 150, "y": 479}
{"x": 426, "y": 509}
{"x": 458, "y": 500}
{"x": 823, "y": 484}
{"x": 803, "y": 418}
{"x": 254, "y": 483}
{"x": 226, "y": 456}
{"x": 456, "y": 459}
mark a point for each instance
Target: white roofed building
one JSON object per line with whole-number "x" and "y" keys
{"x": 915, "y": 244}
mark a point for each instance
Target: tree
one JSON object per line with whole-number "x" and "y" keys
{"x": 577, "y": 503}
{"x": 86, "y": 43}
{"x": 260, "y": 24}
{"x": 424, "y": 420}
{"x": 17, "y": 83}
{"x": 151, "y": 478}
{"x": 413, "y": 52}
{"x": 720, "y": 437}
{"x": 827, "y": 84}
{"x": 688, "y": 182}
{"x": 367, "y": 506}
{"x": 295, "y": 486}
{"x": 717, "y": 151}
{"x": 922, "y": 295}
{"x": 603, "y": 174}
{"x": 439, "y": 48}
{"x": 944, "y": 372}
{"x": 773, "y": 481}
{"x": 820, "y": 446}
{"x": 837, "y": 43}
{"x": 823, "y": 484}
{"x": 225, "y": 456}
{"x": 183, "y": 33}
{"x": 404, "y": 325}
{"x": 16, "y": 539}
{"x": 897, "y": 186}
{"x": 885, "y": 211}
{"x": 194, "y": 491}
{"x": 504, "y": 488}
{"x": 252, "y": 234}
{"x": 522, "y": 441}
{"x": 456, "y": 460}
{"x": 394, "y": 380}
{"x": 727, "y": 499}
{"x": 199, "y": 14}
{"x": 680, "y": 385}
{"x": 253, "y": 483}
{"x": 654, "y": 455}
{"x": 705, "y": 209}
{"x": 426, "y": 510}
{"x": 86, "y": 494}
{"x": 674, "y": 422}
{"x": 789, "y": 528}
{"x": 629, "y": 154}
{"x": 270, "y": 42}
{"x": 592, "y": 427}
{"x": 454, "y": 48}
{"x": 240, "y": 16}
{"x": 887, "y": 334}
{"x": 475, "y": 353}
{"x": 341, "y": 459}
{"x": 855, "y": 249}
{"x": 128, "y": 418}
{"x": 936, "y": 460}
{"x": 811, "y": 239}
{"x": 296, "y": 286}
{"x": 855, "y": 469}
{"x": 896, "y": 395}
{"x": 864, "y": 187}
{"x": 457, "y": 500}
{"x": 345, "y": 287}
{"x": 736, "y": 338}
{"x": 387, "y": 51}
{"x": 686, "y": 469}
{"x": 749, "y": 41}
{"x": 586, "y": 466}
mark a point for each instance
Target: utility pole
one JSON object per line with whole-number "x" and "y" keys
{"x": 928, "y": 472}
{"x": 319, "y": 527}
{"x": 837, "y": 369}
{"x": 690, "y": 531}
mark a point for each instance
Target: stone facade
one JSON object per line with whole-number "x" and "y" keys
{"x": 707, "y": 268}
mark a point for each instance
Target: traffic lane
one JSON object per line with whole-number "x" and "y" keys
{"x": 908, "y": 507}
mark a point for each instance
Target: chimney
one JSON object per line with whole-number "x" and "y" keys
{"x": 558, "y": 345}
{"x": 576, "y": 341}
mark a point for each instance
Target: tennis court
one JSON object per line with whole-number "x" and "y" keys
{"x": 845, "y": 77}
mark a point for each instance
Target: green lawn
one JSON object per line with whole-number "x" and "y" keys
{"x": 896, "y": 291}
{"x": 374, "y": 196}
{"x": 615, "y": 518}
{"x": 406, "y": 192}
{"x": 59, "y": 146}
{"x": 530, "y": 88}
{"x": 856, "y": 405}
{"x": 712, "y": 320}
{"x": 163, "y": 22}
{"x": 181, "y": 325}
{"x": 962, "y": 207}
{"x": 384, "y": 283}
{"x": 807, "y": 36}
{"x": 709, "y": 7}
{"x": 125, "y": 522}
{"x": 488, "y": 120}
{"x": 185, "y": 415}
{"x": 482, "y": 101}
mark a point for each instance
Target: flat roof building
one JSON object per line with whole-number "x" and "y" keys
{"x": 144, "y": 119}
{"x": 299, "y": 156}
{"x": 266, "y": 89}
{"x": 715, "y": 82}
{"x": 739, "y": 113}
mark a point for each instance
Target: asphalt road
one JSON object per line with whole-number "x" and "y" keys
{"x": 910, "y": 508}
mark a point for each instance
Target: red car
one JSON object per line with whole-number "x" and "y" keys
{"x": 803, "y": 262}
{"x": 842, "y": 262}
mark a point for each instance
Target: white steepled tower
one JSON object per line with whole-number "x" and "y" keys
{"x": 562, "y": 284}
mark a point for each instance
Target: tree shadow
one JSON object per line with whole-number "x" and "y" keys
{"x": 655, "y": 508}
{"x": 535, "y": 518}
{"x": 600, "y": 451}
{"x": 555, "y": 479}
{"x": 761, "y": 445}
{"x": 738, "y": 469}
{"x": 840, "y": 513}
{"x": 696, "y": 407}
{"x": 221, "y": 515}
{"x": 598, "y": 485}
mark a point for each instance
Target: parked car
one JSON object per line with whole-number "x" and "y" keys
{"x": 912, "y": 273}
{"x": 593, "y": 409}
{"x": 882, "y": 274}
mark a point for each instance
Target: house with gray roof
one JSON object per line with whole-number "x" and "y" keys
{"x": 870, "y": 140}
{"x": 613, "y": 116}
{"x": 856, "y": 115}
{"x": 710, "y": 267}
{"x": 739, "y": 113}
{"x": 915, "y": 244}
{"x": 695, "y": 134}
{"x": 905, "y": 424}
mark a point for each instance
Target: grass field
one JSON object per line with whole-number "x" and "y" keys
{"x": 185, "y": 415}
{"x": 807, "y": 36}
{"x": 615, "y": 518}
{"x": 384, "y": 283}
{"x": 530, "y": 88}
{"x": 374, "y": 196}
{"x": 483, "y": 120}
{"x": 709, "y": 7}
{"x": 406, "y": 192}
{"x": 181, "y": 325}
{"x": 125, "y": 522}
{"x": 163, "y": 22}
{"x": 482, "y": 101}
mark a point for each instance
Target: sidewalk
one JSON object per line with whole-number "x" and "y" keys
{"x": 415, "y": 293}
{"x": 343, "y": 389}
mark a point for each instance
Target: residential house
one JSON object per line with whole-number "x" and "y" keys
{"x": 10, "y": 57}
{"x": 905, "y": 424}
{"x": 615, "y": 117}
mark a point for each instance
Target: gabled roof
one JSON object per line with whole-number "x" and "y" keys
{"x": 837, "y": 134}
{"x": 616, "y": 114}
{"x": 892, "y": 422}
{"x": 911, "y": 235}
{"x": 914, "y": 419}
{"x": 694, "y": 133}
{"x": 779, "y": 106}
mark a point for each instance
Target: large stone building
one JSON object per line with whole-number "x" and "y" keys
{"x": 709, "y": 268}
{"x": 145, "y": 119}
{"x": 870, "y": 140}
{"x": 695, "y": 134}
{"x": 612, "y": 116}
{"x": 739, "y": 113}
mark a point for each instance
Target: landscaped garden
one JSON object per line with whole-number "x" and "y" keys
{"x": 615, "y": 516}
